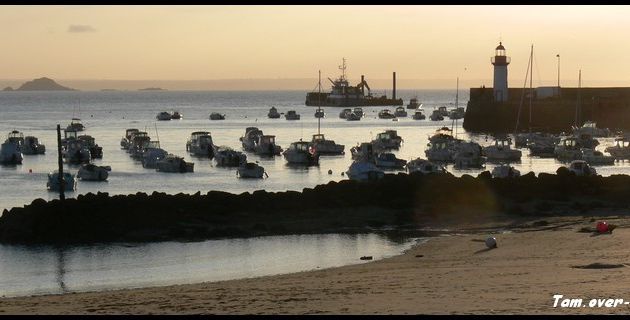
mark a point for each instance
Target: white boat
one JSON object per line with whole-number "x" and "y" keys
{"x": 141, "y": 145}
{"x": 505, "y": 171}
{"x": 301, "y": 153}
{"x": 200, "y": 144}
{"x": 273, "y": 113}
{"x": 468, "y": 155}
{"x": 173, "y": 163}
{"x": 581, "y": 168}
{"x": 10, "y": 153}
{"x": 364, "y": 171}
{"x": 217, "y": 116}
{"x": 442, "y": 146}
{"x": 319, "y": 113}
{"x": 91, "y": 172}
{"x": 16, "y": 137}
{"x": 501, "y": 151}
{"x": 163, "y": 116}
{"x": 323, "y": 146}
{"x": 358, "y": 112}
{"x": 621, "y": 149}
{"x": 418, "y": 115}
{"x": 152, "y": 155}
{"x": 176, "y": 115}
{"x": 388, "y": 160}
{"x": 76, "y": 152}
{"x": 590, "y": 128}
{"x": 568, "y": 149}
{"x": 364, "y": 151}
{"x": 436, "y": 116}
{"x": 32, "y": 146}
{"x": 387, "y": 140}
{"x": 424, "y": 166}
{"x": 344, "y": 113}
{"x": 69, "y": 181}
{"x": 75, "y": 125}
{"x": 413, "y": 103}
{"x": 292, "y": 115}
{"x": 227, "y": 157}
{"x": 586, "y": 140}
{"x": 594, "y": 157}
{"x": 386, "y": 114}
{"x": 400, "y": 112}
{"x": 251, "y": 170}
{"x": 125, "y": 142}
{"x": 137, "y": 139}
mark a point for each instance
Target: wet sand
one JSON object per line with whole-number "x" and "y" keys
{"x": 448, "y": 274}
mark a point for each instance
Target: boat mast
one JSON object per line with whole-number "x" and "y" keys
{"x": 531, "y": 93}
{"x": 61, "y": 180}
{"x": 319, "y": 94}
{"x": 520, "y": 107}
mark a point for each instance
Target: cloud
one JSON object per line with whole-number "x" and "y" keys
{"x": 79, "y": 28}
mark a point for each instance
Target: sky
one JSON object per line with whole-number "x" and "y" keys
{"x": 427, "y": 45}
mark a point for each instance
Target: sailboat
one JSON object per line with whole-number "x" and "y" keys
{"x": 319, "y": 143}
{"x": 75, "y": 123}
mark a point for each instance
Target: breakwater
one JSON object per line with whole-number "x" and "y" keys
{"x": 609, "y": 107}
{"x": 401, "y": 201}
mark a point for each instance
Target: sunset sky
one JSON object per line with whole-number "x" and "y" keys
{"x": 435, "y": 44}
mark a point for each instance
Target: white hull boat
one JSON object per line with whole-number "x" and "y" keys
{"x": 364, "y": 171}
{"x": 91, "y": 172}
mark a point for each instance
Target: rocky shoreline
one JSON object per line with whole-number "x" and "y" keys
{"x": 400, "y": 201}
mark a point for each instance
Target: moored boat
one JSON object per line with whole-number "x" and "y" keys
{"x": 75, "y": 125}
{"x": 91, "y": 172}
{"x": 505, "y": 171}
{"x": 273, "y": 113}
{"x": 424, "y": 166}
{"x": 164, "y": 116}
{"x": 69, "y": 181}
{"x": 217, "y": 116}
{"x": 301, "y": 153}
{"x": 292, "y": 115}
{"x": 364, "y": 171}
{"x": 227, "y": 157}
{"x": 251, "y": 170}
{"x": 400, "y": 112}
{"x": 325, "y": 147}
{"x": 174, "y": 164}
{"x": 32, "y": 146}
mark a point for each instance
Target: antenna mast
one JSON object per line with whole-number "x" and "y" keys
{"x": 531, "y": 93}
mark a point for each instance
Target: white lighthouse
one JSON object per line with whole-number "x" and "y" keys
{"x": 500, "y": 62}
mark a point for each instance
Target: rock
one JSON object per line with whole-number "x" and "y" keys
{"x": 43, "y": 84}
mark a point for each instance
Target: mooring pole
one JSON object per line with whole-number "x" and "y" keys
{"x": 62, "y": 186}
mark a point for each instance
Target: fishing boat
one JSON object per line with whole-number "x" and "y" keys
{"x": 468, "y": 155}
{"x": 319, "y": 113}
{"x": 227, "y": 157}
{"x": 251, "y": 170}
{"x": 75, "y": 125}
{"x": 248, "y": 140}
{"x": 400, "y": 112}
{"x": 436, "y": 116}
{"x": 595, "y": 158}
{"x": 388, "y": 160}
{"x": 344, "y": 113}
{"x": 176, "y": 115}
{"x": 442, "y": 146}
{"x": 76, "y": 152}
{"x": 345, "y": 95}
{"x": 200, "y": 144}
{"x": 424, "y": 166}
{"x": 32, "y": 146}
{"x": 174, "y": 164}
{"x": 164, "y": 116}
{"x": 91, "y": 172}
{"x": 457, "y": 113}
{"x": 387, "y": 140}
{"x": 505, "y": 171}
{"x": 358, "y": 112}
{"x": 292, "y": 115}
{"x": 353, "y": 117}
{"x": 364, "y": 151}
{"x": 96, "y": 151}
{"x": 443, "y": 111}
{"x": 265, "y": 145}
{"x": 364, "y": 171}
{"x": 125, "y": 142}
{"x": 386, "y": 114}
{"x": 325, "y": 147}
{"x": 273, "y": 113}
{"x": 581, "y": 168}
{"x": 501, "y": 150}
{"x": 69, "y": 181}
{"x": 301, "y": 153}
{"x": 413, "y": 103}
{"x": 16, "y": 137}
{"x": 418, "y": 115}
{"x": 10, "y": 153}
{"x": 217, "y": 116}
{"x": 621, "y": 149}
{"x": 153, "y": 154}
{"x": 568, "y": 149}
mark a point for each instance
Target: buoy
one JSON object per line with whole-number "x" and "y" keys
{"x": 491, "y": 242}
{"x": 602, "y": 227}
{"x": 329, "y": 171}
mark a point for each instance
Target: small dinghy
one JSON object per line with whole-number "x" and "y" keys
{"x": 251, "y": 170}
{"x": 91, "y": 172}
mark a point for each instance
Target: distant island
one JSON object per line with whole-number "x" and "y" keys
{"x": 7, "y": 89}
{"x": 42, "y": 84}
{"x": 109, "y": 90}
{"x": 152, "y": 89}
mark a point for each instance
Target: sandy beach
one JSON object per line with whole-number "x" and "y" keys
{"x": 448, "y": 274}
